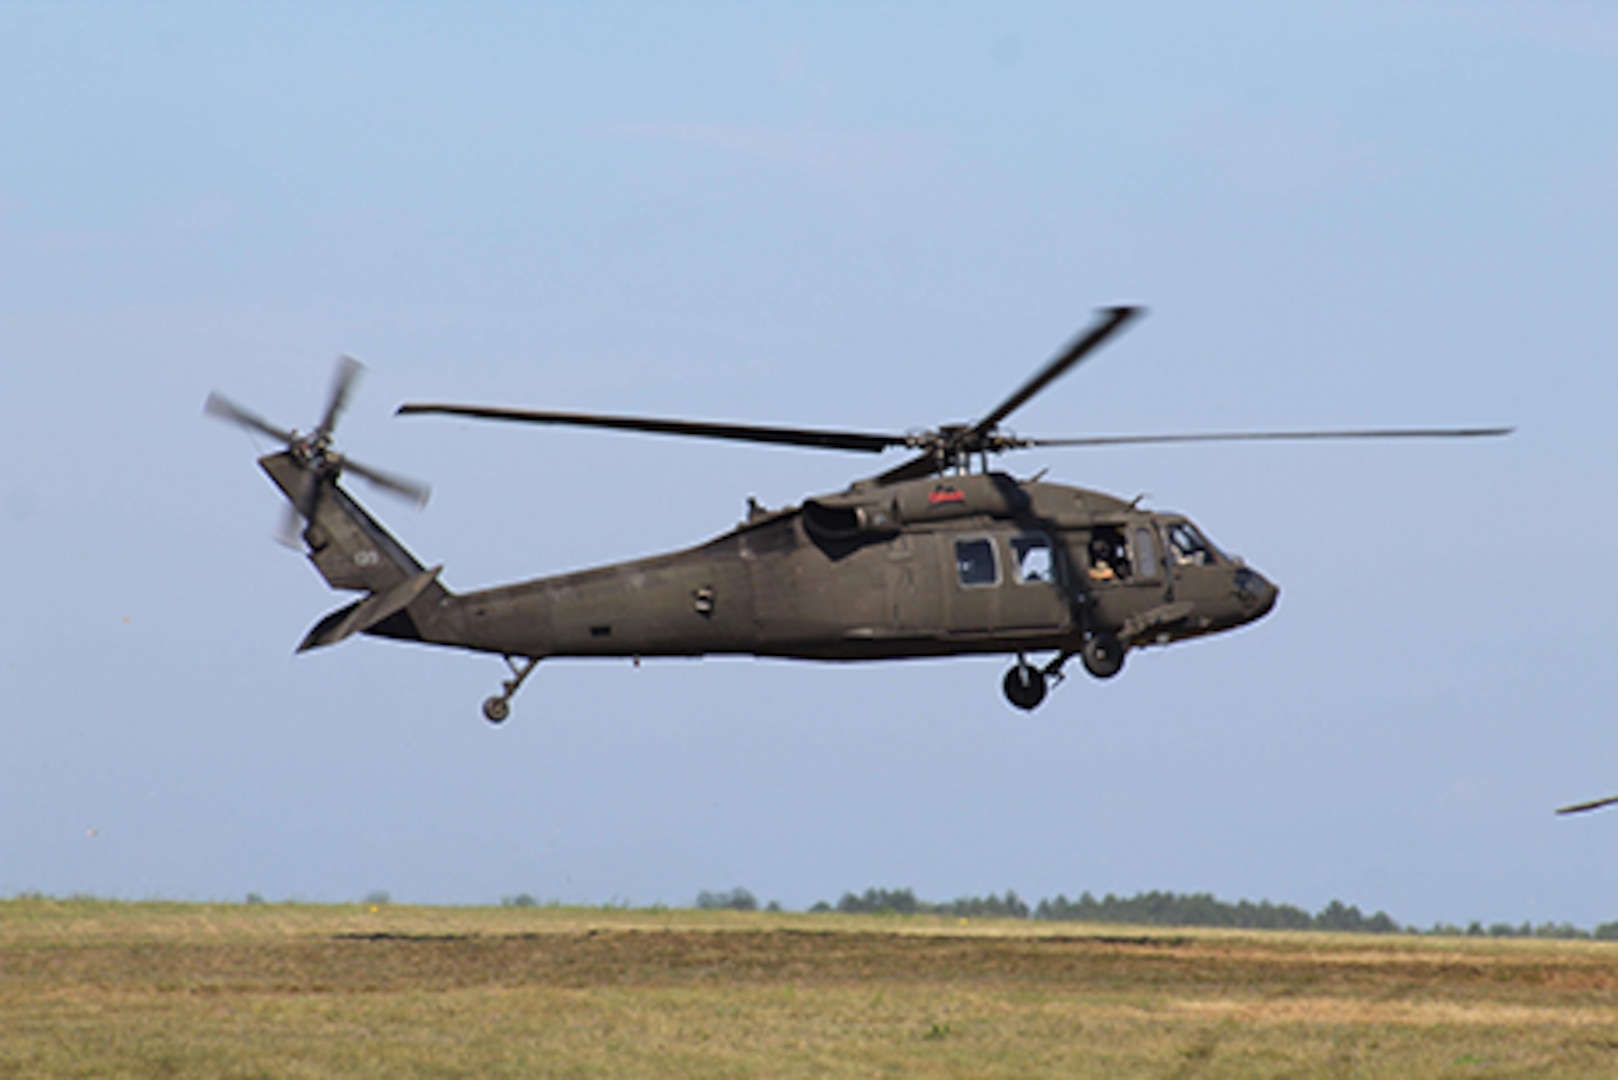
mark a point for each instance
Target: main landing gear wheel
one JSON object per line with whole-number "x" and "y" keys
{"x": 1103, "y": 656}
{"x": 1025, "y": 686}
{"x": 496, "y": 709}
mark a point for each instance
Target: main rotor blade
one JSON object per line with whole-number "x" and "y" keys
{"x": 865, "y": 442}
{"x": 348, "y": 369}
{"x": 1593, "y": 804}
{"x": 1112, "y": 321}
{"x": 1272, "y": 436}
{"x": 220, "y": 406}
{"x": 915, "y": 468}
{"x": 402, "y": 486}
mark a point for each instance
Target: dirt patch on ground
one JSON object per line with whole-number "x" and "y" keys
{"x": 383, "y": 960}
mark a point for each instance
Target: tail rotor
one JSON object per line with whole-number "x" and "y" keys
{"x": 318, "y": 462}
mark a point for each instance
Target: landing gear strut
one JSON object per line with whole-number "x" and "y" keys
{"x": 1026, "y": 685}
{"x": 497, "y": 708}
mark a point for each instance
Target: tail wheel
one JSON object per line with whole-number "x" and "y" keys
{"x": 497, "y": 708}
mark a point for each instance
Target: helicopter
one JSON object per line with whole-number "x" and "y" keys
{"x": 939, "y": 555}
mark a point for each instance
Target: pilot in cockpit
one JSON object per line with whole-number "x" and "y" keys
{"x": 1187, "y": 547}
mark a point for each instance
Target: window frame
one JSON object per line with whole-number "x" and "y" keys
{"x": 1049, "y": 544}
{"x": 994, "y": 562}
{"x": 1148, "y": 560}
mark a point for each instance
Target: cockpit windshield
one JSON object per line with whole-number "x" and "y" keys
{"x": 1188, "y": 547}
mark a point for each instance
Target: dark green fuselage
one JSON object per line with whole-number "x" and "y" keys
{"x": 976, "y": 563}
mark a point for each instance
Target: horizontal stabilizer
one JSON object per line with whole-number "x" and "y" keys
{"x": 364, "y": 614}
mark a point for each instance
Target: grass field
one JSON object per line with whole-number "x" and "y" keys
{"x": 91, "y": 988}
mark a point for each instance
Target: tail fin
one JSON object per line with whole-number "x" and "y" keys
{"x": 352, "y": 551}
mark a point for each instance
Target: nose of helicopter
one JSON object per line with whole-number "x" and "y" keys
{"x": 1269, "y": 592}
{"x": 1256, "y": 592}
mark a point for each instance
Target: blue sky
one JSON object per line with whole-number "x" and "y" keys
{"x": 878, "y": 217}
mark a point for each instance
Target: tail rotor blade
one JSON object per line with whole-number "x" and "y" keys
{"x": 402, "y": 486}
{"x": 348, "y": 370}
{"x": 287, "y": 533}
{"x": 221, "y": 407}
{"x": 299, "y": 508}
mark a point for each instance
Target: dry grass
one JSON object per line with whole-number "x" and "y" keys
{"x": 97, "y": 989}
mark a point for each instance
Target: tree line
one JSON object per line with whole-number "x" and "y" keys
{"x": 1156, "y": 908}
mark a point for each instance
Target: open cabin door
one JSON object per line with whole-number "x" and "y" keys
{"x": 1124, "y": 567}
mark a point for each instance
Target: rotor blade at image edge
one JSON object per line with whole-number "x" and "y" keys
{"x": 815, "y": 438}
{"x": 1593, "y": 804}
{"x": 1112, "y": 320}
{"x": 1271, "y": 436}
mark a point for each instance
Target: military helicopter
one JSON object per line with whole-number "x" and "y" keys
{"x": 940, "y": 555}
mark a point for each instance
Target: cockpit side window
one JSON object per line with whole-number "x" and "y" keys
{"x": 1187, "y": 546}
{"x": 1145, "y": 552}
{"x": 1034, "y": 557}
{"x": 974, "y": 562}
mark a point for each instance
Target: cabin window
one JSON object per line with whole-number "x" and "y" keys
{"x": 1145, "y": 552}
{"x": 1036, "y": 562}
{"x": 974, "y": 562}
{"x": 1187, "y": 547}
